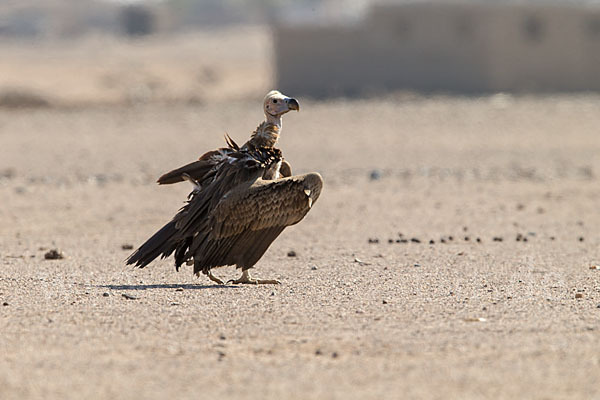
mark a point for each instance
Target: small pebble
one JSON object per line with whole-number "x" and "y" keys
{"x": 105, "y": 294}
{"x": 127, "y": 246}
{"x": 128, "y": 296}
{"x": 467, "y": 238}
{"x": 375, "y": 175}
{"x": 432, "y": 241}
{"x": 497, "y": 239}
{"x": 442, "y": 240}
{"x": 334, "y": 355}
{"x": 318, "y": 352}
{"x": 373, "y": 240}
{"x": 552, "y": 238}
{"x": 594, "y": 266}
{"x": 579, "y": 295}
{"x": 581, "y": 239}
{"x": 450, "y": 238}
{"x": 384, "y": 302}
{"x": 54, "y": 254}
{"x": 415, "y": 240}
{"x": 179, "y": 289}
{"x": 390, "y": 240}
{"x": 313, "y": 268}
{"x": 478, "y": 240}
{"x": 5, "y": 304}
{"x": 291, "y": 253}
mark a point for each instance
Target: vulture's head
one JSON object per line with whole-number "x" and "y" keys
{"x": 277, "y": 104}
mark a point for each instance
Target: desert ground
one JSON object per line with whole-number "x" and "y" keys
{"x": 450, "y": 256}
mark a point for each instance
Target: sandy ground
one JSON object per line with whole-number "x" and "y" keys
{"x": 355, "y": 316}
{"x": 351, "y": 319}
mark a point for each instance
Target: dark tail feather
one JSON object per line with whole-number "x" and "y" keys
{"x": 159, "y": 243}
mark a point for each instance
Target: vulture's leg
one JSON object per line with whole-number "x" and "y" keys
{"x": 214, "y": 278}
{"x": 245, "y": 278}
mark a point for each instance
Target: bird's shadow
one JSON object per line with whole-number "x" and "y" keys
{"x": 166, "y": 286}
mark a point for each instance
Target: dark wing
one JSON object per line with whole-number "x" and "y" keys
{"x": 200, "y": 170}
{"x": 236, "y": 168}
{"x": 197, "y": 170}
{"x": 250, "y": 217}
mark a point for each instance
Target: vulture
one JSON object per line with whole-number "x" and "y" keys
{"x": 243, "y": 197}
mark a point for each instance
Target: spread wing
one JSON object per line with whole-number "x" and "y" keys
{"x": 235, "y": 215}
{"x": 249, "y": 218}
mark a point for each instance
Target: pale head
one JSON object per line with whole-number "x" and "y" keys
{"x": 276, "y": 104}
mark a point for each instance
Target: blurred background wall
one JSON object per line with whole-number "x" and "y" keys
{"x": 454, "y": 47}
{"x": 107, "y": 51}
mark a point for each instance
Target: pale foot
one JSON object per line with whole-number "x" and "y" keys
{"x": 245, "y": 278}
{"x": 214, "y": 278}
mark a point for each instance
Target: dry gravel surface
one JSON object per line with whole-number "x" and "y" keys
{"x": 450, "y": 255}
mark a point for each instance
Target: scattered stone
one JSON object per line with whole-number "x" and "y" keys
{"x": 128, "y": 296}
{"x": 221, "y": 355}
{"x": 105, "y": 294}
{"x": 5, "y": 304}
{"x": 318, "y": 352}
{"x": 415, "y": 240}
{"x": 474, "y": 319}
{"x": 313, "y": 268}
{"x": 520, "y": 206}
{"x": 497, "y": 239}
{"x": 478, "y": 240}
{"x": 179, "y": 289}
{"x": 462, "y": 253}
{"x": 579, "y": 295}
{"x": 416, "y": 265}
{"x": 375, "y": 175}
{"x": 552, "y": 238}
{"x": 384, "y": 302}
{"x": 390, "y": 240}
{"x": 525, "y": 239}
{"x": 581, "y": 238}
{"x": 432, "y": 241}
{"x": 54, "y": 254}
{"x": 467, "y": 238}
{"x": 174, "y": 303}
{"x": 519, "y": 237}
{"x": 360, "y": 262}
{"x": 222, "y": 336}
{"x": 465, "y": 229}
{"x": 8, "y": 173}
{"x": 450, "y": 238}
{"x": 334, "y": 355}
{"x": 127, "y": 246}
{"x": 442, "y": 240}
{"x": 595, "y": 267}
{"x": 291, "y": 253}
{"x": 373, "y": 240}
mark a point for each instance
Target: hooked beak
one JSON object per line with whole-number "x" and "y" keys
{"x": 293, "y": 104}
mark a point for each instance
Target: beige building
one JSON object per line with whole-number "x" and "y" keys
{"x": 451, "y": 47}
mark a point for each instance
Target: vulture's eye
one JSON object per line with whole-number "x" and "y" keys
{"x": 275, "y": 101}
